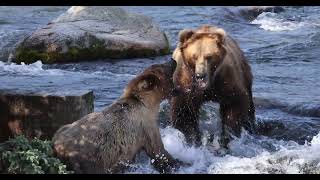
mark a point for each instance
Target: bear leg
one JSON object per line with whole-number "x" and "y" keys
{"x": 251, "y": 125}
{"x": 164, "y": 162}
{"x": 160, "y": 158}
{"x": 234, "y": 116}
{"x": 184, "y": 116}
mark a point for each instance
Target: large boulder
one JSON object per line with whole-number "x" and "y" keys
{"x": 90, "y": 33}
{"x": 40, "y": 114}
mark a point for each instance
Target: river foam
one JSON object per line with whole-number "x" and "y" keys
{"x": 247, "y": 155}
{"x": 273, "y": 22}
{"x": 37, "y": 69}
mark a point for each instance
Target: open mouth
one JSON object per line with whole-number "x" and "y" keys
{"x": 202, "y": 83}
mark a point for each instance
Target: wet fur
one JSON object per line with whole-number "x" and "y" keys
{"x": 230, "y": 85}
{"x": 103, "y": 142}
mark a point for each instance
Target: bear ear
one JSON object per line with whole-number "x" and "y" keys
{"x": 185, "y": 34}
{"x": 221, "y": 35}
{"x": 171, "y": 64}
{"x": 148, "y": 82}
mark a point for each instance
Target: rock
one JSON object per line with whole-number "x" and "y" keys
{"x": 2, "y": 169}
{"x": 90, "y": 33}
{"x": 40, "y": 114}
{"x": 252, "y": 12}
{"x": 1, "y": 164}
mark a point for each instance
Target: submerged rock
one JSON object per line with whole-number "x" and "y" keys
{"x": 40, "y": 114}
{"x": 252, "y": 12}
{"x": 90, "y": 33}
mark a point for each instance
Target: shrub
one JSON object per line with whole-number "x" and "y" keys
{"x": 21, "y": 156}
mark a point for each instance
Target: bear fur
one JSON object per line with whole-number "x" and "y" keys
{"x": 104, "y": 142}
{"x": 211, "y": 67}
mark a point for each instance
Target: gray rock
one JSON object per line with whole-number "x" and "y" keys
{"x": 95, "y": 32}
{"x": 40, "y": 114}
{"x": 252, "y": 12}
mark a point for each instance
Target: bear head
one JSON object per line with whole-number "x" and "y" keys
{"x": 153, "y": 85}
{"x": 202, "y": 51}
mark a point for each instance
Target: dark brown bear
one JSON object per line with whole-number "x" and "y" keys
{"x": 211, "y": 67}
{"x": 103, "y": 142}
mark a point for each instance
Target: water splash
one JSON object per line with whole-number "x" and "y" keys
{"x": 291, "y": 158}
{"x": 273, "y": 22}
{"x": 28, "y": 70}
{"x": 248, "y": 154}
{"x": 37, "y": 69}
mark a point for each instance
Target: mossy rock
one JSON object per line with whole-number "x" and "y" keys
{"x": 76, "y": 55}
{"x": 71, "y": 39}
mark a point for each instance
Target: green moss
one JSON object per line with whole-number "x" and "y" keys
{"x": 29, "y": 56}
{"x": 74, "y": 54}
{"x": 90, "y": 99}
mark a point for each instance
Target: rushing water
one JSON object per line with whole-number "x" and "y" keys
{"x": 283, "y": 50}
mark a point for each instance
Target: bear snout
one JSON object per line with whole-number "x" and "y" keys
{"x": 201, "y": 80}
{"x": 200, "y": 76}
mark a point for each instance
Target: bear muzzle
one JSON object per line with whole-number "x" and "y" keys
{"x": 201, "y": 80}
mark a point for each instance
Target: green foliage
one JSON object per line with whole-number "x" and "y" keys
{"x": 22, "y": 156}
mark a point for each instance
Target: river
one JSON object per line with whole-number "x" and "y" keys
{"x": 282, "y": 49}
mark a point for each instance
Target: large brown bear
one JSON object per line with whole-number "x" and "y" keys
{"x": 103, "y": 142}
{"x": 211, "y": 67}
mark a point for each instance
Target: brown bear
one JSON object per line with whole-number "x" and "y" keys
{"x": 211, "y": 67}
{"x": 104, "y": 142}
